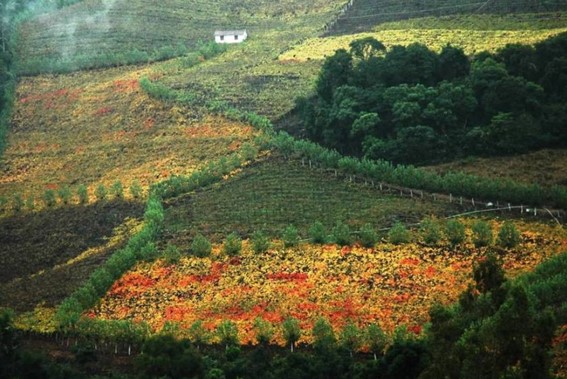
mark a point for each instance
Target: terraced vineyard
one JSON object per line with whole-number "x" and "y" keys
{"x": 97, "y": 127}
{"x": 276, "y": 193}
{"x": 387, "y": 284}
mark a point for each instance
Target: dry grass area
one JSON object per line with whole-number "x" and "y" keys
{"x": 547, "y": 167}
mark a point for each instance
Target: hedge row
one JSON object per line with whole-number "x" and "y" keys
{"x": 140, "y": 247}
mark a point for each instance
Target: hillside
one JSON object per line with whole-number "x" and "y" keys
{"x": 471, "y": 33}
{"x": 95, "y": 33}
{"x": 364, "y": 15}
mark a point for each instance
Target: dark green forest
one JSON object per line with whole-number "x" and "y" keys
{"x": 413, "y": 105}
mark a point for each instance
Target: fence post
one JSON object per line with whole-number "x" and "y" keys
{"x": 461, "y": 200}
{"x": 472, "y": 200}
{"x": 450, "y": 198}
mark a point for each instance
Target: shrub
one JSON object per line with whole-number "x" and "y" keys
{"x": 290, "y": 236}
{"x": 18, "y": 203}
{"x": 248, "y": 151}
{"x": 83, "y": 194}
{"x": 260, "y": 242}
{"x": 198, "y": 334}
{"x": 341, "y": 234}
{"x": 323, "y": 335}
{"x": 227, "y": 333}
{"x": 232, "y": 244}
{"x": 117, "y": 190}
{"x": 136, "y": 189}
{"x": 291, "y": 331}
{"x": 430, "y": 231}
{"x": 317, "y": 233}
{"x": 508, "y": 235}
{"x": 482, "y": 234}
{"x": 264, "y": 331}
{"x": 455, "y": 232}
{"x": 49, "y": 198}
{"x": 201, "y": 247}
{"x": 100, "y": 192}
{"x": 3, "y": 203}
{"x": 368, "y": 236}
{"x": 171, "y": 254}
{"x": 30, "y": 203}
{"x": 399, "y": 234}
{"x": 65, "y": 194}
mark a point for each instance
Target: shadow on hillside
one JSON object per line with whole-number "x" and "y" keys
{"x": 34, "y": 243}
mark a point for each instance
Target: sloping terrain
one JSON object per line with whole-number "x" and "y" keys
{"x": 471, "y": 33}
{"x": 97, "y": 127}
{"x": 114, "y": 31}
{"x": 276, "y": 193}
{"x": 47, "y": 255}
{"x": 546, "y": 167}
{"x": 363, "y": 15}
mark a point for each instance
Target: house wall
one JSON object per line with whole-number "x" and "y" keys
{"x": 229, "y": 38}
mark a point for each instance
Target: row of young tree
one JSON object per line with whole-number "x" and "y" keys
{"x": 65, "y": 196}
{"x": 431, "y": 232}
{"x": 413, "y": 105}
{"x": 498, "y": 328}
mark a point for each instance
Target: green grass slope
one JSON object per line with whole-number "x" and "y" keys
{"x": 105, "y": 32}
{"x": 363, "y": 15}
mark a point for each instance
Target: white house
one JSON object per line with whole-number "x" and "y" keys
{"x": 230, "y": 36}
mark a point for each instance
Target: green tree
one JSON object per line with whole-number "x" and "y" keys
{"x": 318, "y": 233}
{"x": 232, "y": 244}
{"x": 100, "y": 192}
{"x": 364, "y": 48}
{"x": 136, "y": 190}
{"x": 335, "y": 72}
{"x": 198, "y": 334}
{"x": 399, "y": 234}
{"x": 341, "y": 234}
{"x": 508, "y": 235}
{"x": 368, "y": 236}
{"x": 83, "y": 194}
{"x": 227, "y": 333}
{"x": 482, "y": 233}
{"x": 351, "y": 337}
{"x": 17, "y": 203}
{"x": 117, "y": 189}
{"x": 291, "y": 331}
{"x": 290, "y": 236}
{"x": 455, "y": 232}
{"x": 323, "y": 335}
{"x": 260, "y": 242}
{"x": 376, "y": 339}
{"x": 64, "y": 194}
{"x": 30, "y": 203}
{"x": 430, "y": 231}
{"x": 171, "y": 254}
{"x": 201, "y": 247}
{"x": 264, "y": 331}
{"x": 49, "y": 198}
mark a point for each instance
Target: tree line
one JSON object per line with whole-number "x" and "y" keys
{"x": 412, "y": 105}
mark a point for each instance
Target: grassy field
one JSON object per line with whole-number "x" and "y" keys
{"x": 276, "y": 193}
{"x": 387, "y": 284}
{"x": 47, "y": 255}
{"x": 472, "y": 33}
{"x": 546, "y": 167}
{"x": 97, "y": 127}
